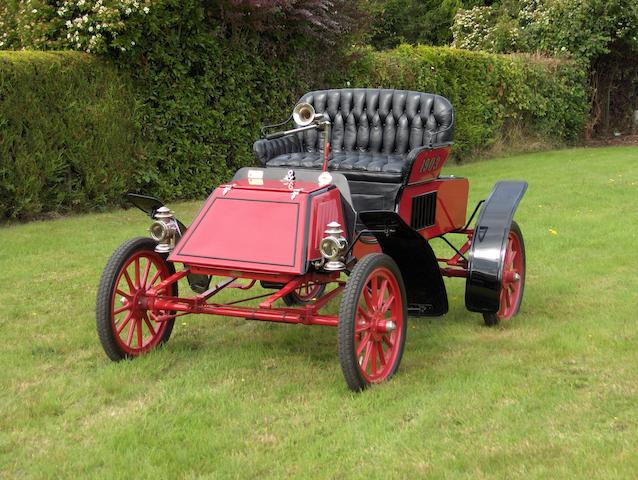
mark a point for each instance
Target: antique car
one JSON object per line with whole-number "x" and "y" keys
{"x": 347, "y": 202}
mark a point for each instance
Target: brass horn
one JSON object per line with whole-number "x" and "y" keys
{"x": 303, "y": 114}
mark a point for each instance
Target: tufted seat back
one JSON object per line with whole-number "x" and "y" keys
{"x": 380, "y": 121}
{"x": 377, "y": 134}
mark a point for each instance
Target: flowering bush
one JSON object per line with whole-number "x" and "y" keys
{"x": 100, "y": 26}
{"x": 88, "y": 25}
{"x": 582, "y": 29}
{"x": 601, "y": 34}
{"x": 97, "y": 25}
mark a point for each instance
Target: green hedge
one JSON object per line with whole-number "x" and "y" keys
{"x": 68, "y": 140}
{"x": 77, "y": 133}
{"x": 491, "y": 94}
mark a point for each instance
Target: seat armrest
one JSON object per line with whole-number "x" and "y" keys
{"x": 412, "y": 154}
{"x": 265, "y": 150}
{"x": 425, "y": 162}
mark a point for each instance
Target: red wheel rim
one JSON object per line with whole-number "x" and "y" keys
{"x": 134, "y": 327}
{"x": 308, "y": 291}
{"x": 512, "y": 278}
{"x": 378, "y": 325}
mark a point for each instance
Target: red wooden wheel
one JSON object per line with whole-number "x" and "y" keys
{"x": 125, "y": 325}
{"x": 372, "y": 322}
{"x": 305, "y": 294}
{"x": 512, "y": 278}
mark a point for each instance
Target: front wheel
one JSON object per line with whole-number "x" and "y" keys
{"x": 124, "y": 326}
{"x": 372, "y": 322}
{"x": 512, "y": 278}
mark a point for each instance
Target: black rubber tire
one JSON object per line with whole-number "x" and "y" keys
{"x": 347, "y": 317}
{"x": 104, "y": 295}
{"x": 491, "y": 319}
{"x": 293, "y": 298}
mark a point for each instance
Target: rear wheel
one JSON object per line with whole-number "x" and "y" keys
{"x": 126, "y": 328}
{"x": 372, "y": 322}
{"x": 305, "y": 294}
{"x": 512, "y": 278}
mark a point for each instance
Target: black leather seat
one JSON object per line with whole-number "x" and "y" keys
{"x": 376, "y": 133}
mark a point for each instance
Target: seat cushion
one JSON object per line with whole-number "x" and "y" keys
{"x": 362, "y": 166}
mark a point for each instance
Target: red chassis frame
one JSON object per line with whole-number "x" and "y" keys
{"x": 451, "y": 204}
{"x": 155, "y": 300}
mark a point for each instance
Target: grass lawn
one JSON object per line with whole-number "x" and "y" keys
{"x": 552, "y": 394}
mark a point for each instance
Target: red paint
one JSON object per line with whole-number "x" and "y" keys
{"x": 247, "y": 228}
{"x": 428, "y": 164}
{"x": 326, "y": 154}
{"x": 365, "y": 246}
{"x": 136, "y": 329}
{"x": 511, "y": 288}
{"x": 325, "y": 208}
{"x": 308, "y": 291}
{"x": 156, "y": 300}
{"x": 377, "y": 347}
{"x": 451, "y": 204}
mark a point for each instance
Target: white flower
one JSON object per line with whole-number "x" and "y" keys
{"x": 35, "y": 10}
{"x": 132, "y": 44}
{"x": 146, "y": 9}
{"x": 90, "y": 29}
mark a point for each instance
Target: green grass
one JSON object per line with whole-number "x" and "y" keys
{"x": 552, "y": 394}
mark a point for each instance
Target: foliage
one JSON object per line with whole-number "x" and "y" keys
{"x": 491, "y": 94}
{"x": 103, "y": 26}
{"x": 413, "y": 21}
{"x": 204, "y": 81}
{"x": 582, "y": 29}
{"x": 67, "y": 137}
{"x": 324, "y": 20}
{"x": 601, "y": 34}
{"x": 87, "y": 25}
{"x": 203, "y": 92}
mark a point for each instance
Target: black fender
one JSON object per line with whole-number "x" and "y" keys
{"x": 487, "y": 252}
{"x": 149, "y": 205}
{"x": 413, "y": 254}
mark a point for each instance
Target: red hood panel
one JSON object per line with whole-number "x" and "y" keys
{"x": 248, "y": 229}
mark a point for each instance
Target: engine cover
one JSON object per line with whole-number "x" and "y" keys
{"x": 259, "y": 225}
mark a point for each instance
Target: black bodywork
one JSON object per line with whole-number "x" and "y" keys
{"x": 483, "y": 284}
{"x": 416, "y": 260}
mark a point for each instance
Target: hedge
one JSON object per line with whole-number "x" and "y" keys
{"x": 491, "y": 94}
{"x": 77, "y": 133}
{"x": 68, "y": 140}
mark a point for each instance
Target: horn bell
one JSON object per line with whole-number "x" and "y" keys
{"x": 303, "y": 114}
